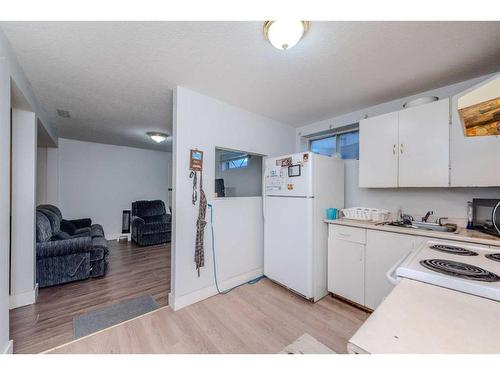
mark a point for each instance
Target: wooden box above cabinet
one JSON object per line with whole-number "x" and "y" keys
{"x": 407, "y": 148}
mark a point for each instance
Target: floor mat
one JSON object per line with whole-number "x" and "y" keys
{"x": 97, "y": 320}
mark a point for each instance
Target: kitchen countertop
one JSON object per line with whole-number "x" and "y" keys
{"x": 463, "y": 235}
{"x": 421, "y": 318}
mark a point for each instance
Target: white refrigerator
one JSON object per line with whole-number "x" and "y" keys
{"x": 298, "y": 189}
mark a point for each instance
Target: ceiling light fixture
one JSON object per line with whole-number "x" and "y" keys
{"x": 285, "y": 34}
{"x": 157, "y": 136}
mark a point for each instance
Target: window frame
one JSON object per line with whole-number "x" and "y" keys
{"x": 354, "y": 128}
{"x": 243, "y": 159}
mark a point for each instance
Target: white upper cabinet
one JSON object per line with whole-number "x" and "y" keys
{"x": 378, "y": 151}
{"x": 424, "y": 145}
{"x": 408, "y": 148}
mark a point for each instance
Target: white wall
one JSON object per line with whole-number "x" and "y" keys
{"x": 472, "y": 156}
{"x": 100, "y": 181}
{"x": 205, "y": 123}
{"x": 23, "y": 208}
{"x": 10, "y": 69}
{"x": 241, "y": 182}
{"x": 445, "y": 202}
{"x": 4, "y": 204}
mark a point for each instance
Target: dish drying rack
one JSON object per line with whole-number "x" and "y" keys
{"x": 366, "y": 214}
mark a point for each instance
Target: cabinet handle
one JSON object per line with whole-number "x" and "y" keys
{"x": 401, "y": 148}
{"x": 394, "y": 149}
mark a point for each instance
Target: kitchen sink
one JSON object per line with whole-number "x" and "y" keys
{"x": 447, "y": 228}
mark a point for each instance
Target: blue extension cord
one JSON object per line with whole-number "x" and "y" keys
{"x": 253, "y": 281}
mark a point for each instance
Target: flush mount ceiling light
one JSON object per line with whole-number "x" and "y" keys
{"x": 285, "y": 34}
{"x": 157, "y": 136}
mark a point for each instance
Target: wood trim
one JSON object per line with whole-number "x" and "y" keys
{"x": 482, "y": 119}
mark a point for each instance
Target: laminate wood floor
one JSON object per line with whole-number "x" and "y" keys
{"x": 132, "y": 271}
{"x": 259, "y": 318}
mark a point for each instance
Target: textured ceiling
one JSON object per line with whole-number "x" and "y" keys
{"x": 116, "y": 78}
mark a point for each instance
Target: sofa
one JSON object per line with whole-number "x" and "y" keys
{"x": 77, "y": 226}
{"x": 151, "y": 224}
{"x": 62, "y": 257}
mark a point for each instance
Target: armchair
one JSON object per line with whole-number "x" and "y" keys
{"x": 74, "y": 258}
{"x": 150, "y": 223}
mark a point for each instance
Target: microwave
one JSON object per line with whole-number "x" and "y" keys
{"x": 486, "y": 216}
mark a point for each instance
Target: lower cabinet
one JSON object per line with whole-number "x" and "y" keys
{"x": 347, "y": 268}
{"x": 346, "y": 263}
{"x": 358, "y": 260}
{"x": 383, "y": 250}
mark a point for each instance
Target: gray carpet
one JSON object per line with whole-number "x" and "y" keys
{"x": 96, "y": 320}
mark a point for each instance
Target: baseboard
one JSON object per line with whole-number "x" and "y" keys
{"x": 23, "y": 299}
{"x": 178, "y": 302}
{"x": 115, "y": 237}
{"x": 9, "y": 348}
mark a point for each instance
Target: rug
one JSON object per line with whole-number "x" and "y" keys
{"x": 307, "y": 344}
{"x": 97, "y": 320}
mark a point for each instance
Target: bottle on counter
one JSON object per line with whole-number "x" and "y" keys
{"x": 469, "y": 215}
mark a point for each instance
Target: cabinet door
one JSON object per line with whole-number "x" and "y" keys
{"x": 346, "y": 269}
{"x": 383, "y": 250}
{"x": 378, "y": 151}
{"x": 424, "y": 144}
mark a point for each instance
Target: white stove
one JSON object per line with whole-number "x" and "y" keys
{"x": 464, "y": 268}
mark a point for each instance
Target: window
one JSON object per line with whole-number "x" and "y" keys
{"x": 235, "y": 163}
{"x": 344, "y": 144}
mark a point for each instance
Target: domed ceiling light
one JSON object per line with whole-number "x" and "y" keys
{"x": 285, "y": 34}
{"x": 157, "y": 136}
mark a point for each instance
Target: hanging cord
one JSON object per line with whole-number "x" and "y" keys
{"x": 194, "y": 197}
{"x": 253, "y": 281}
{"x": 199, "y": 253}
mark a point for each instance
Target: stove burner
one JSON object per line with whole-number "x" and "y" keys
{"x": 457, "y": 269}
{"x": 453, "y": 250}
{"x": 495, "y": 257}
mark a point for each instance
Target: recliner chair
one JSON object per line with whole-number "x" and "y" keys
{"x": 63, "y": 258}
{"x": 74, "y": 227}
{"x": 151, "y": 224}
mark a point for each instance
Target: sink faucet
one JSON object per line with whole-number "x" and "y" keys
{"x": 426, "y": 217}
